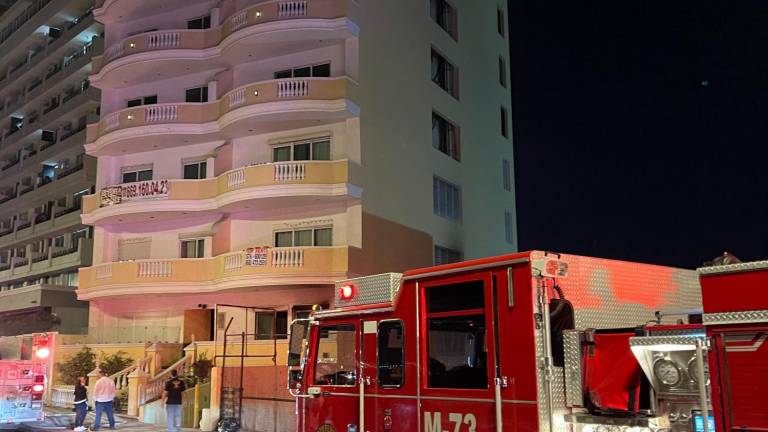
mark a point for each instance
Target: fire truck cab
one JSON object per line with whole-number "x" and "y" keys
{"x": 23, "y": 381}
{"x": 532, "y": 341}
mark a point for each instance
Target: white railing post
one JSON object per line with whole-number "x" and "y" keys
{"x": 104, "y": 271}
{"x": 289, "y": 171}
{"x": 238, "y": 21}
{"x": 287, "y": 9}
{"x": 237, "y": 97}
{"x": 149, "y": 269}
{"x": 112, "y": 121}
{"x": 236, "y": 178}
{"x": 288, "y": 257}
{"x": 292, "y": 88}
{"x": 234, "y": 262}
{"x": 164, "y": 40}
{"x": 161, "y": 113}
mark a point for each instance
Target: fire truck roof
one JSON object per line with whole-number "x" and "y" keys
{"x": 733, "y": 268}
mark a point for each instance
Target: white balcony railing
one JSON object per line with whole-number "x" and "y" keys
{"x": 288, "y": 9}
{"x": 289, "y": 171}
{"x": 164, "y": 40}
{"x": 149, "y": 269}
{"x": 161, "y": 113}
{"x": 237, "y": 97}
{"x": 236, "y": 178}
{"x": 287, "y": 257}
{"x": 292, "y": 88}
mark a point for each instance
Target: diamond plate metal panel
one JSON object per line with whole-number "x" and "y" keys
{"x": 573, "y": 378}
{"x": 609, "y": 294}
{"x": 743, "y": 317}
{"x": 375, "y": 289}
{"x": 664, "y": 340}
{"x": 733, "y": 268}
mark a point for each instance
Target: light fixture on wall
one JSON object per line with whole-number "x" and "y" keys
{"x": 202, "y": 306}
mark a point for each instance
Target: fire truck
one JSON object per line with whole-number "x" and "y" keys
{"x": 23, "y": 380}
{"x": 537, "y": 341}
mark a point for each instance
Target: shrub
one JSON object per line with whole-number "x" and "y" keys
{"x": 116, "y": 362}
{"x": 80, "y": 364}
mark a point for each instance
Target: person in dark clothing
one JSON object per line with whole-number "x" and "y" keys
{"x": 173, "y": 396}
{"x": 81, "y": 403}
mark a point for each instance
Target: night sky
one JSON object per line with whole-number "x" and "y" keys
{"x": 641, "y": 128}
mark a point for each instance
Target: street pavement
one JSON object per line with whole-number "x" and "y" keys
{"x": 59, "y": 419}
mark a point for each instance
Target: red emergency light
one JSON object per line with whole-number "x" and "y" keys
{"x": 346, "y": 292}
{"x": 38, "y": 388}
{"x": 42, "y": 351}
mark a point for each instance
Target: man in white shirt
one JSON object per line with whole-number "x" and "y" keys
{"x": 103, "y": 397}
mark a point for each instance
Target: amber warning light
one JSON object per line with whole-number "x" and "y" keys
{"x": 346, "y": 292}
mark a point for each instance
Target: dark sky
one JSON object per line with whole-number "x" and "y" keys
{"x": 641, "y": 128}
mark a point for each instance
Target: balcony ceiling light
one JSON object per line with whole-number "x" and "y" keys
{"x": 255, "y": 92}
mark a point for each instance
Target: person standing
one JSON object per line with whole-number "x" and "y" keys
{"x": 104, "y": 397}
{"x": 81, "y": 403}
{"x": 173, "y": 396}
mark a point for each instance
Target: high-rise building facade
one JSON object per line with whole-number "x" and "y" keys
{"x": 253, "y": 152}
{"x": 45, "y": 103}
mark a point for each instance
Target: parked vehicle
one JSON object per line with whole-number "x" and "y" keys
{"x": 536, "y": 341}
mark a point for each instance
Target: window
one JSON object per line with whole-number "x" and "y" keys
{"x": 195, "y": 170}
{"x": 444, "y": 74}
{"x": 508, "y": 227}
{"x": 444, "y": 15}
{"x": 502, "y": 72}
{"x": 58, "y": 241}
{"x": 456, "y": 345}
{"x": 322, "y": 70}
{"x": 444, "y": 255}
{"x": 336, "y": 362}
{"x": 271, "y": 325}
{"x": 319, "y": 149}
{"x": 446, "y": 199}
{"x": 146, "y": 100}
{"x": 197, "y": 94}
{"x": 506, "y": 173}
{"x": 77, "y": 235}
{"x": 199, "y": 23}
{"x": 445, "y": 136}
{"x": 504, "y": 123}
{"x": 305, "y": 237}
{"x": 391, "y": 356}
{"x": 194, "y": 248}
{"x": 137, "y": 175}
{"x": 500, "y": 24}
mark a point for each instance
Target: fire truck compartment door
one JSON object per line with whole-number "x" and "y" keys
{"x": 745, "y": 361}
{"x": 612, "y": 375}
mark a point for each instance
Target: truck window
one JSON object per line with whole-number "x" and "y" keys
{"x": 336, "y": 362}
{"x": 391, "y": 357}
{"x": 456, "y": 348}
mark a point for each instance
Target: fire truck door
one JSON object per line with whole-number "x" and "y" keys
{"x": 517, "y": 348}
{"x": 369, "y": 380}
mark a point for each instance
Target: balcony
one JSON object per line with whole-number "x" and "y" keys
{"x": 61, "y": 221}
{"x": 56, "y": 260}
{"x": 261, "y": 107}
{"x": 269, "y": 29}
{"x": 276, "y": 266}
{"x": 272, "y": 187}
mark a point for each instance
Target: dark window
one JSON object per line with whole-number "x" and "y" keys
{"x": 444, "y": 15}
{"x": 504, "y": 123}
{"x": 444, "y": 74}
{"x": 500, "y": 24}
{"x": 316, "y": 150}
{"x": 199, "y": 23}
{"x": 284, "y": 74}
{"x": 391, "y": 356}
{"x": 446, "y": 256}
{"x": 455, "y": 297}
{"x": 133, "y": 103}
{"x": 195, "y": 170}
{"x": 49, "y": 136}
{"x": 197, "y": 94}
{"x": 336, "y": 360}
{"x": 306, "y": 237}
{"x": 150, "y": 100}
{"x": 146, "y": 100}
{"x": 509, "y": 230}
{"x": 457, "y": 352}
{"x": 301, "y": 152}
{"x": 134, "y": 176}
{"x": 193, "y": 248}
{"x": 502, "y": 72}
{"x": 445, "y": 136}
{"x": 271, "y": 325}
{"x": 321, "y": 70}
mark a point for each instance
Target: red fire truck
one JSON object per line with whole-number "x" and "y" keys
{"x": 23, "y": 380}
{"x": 532, "y": 341}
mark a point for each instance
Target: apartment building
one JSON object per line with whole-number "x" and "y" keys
{"x": 45, "y": 103}
{"x": 254, "y": 152}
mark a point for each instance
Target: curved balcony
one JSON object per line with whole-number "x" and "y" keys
{"x": 277, "y": 266}
{"x": 270, "y": 189}
{"x": 261, "y": 107}
{"x": 269, "y": 29}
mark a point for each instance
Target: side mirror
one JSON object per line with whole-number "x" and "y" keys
{"x": 297, "y": 353}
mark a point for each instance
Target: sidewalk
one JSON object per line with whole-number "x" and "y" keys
{"x": 64, "y": 419}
